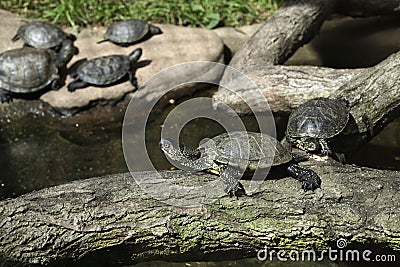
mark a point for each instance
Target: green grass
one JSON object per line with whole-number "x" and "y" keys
{"x": 205, "y": 13}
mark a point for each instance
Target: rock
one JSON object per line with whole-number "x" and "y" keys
{"x": 176, "y": 45}
{"x": 234, "y": 38}
{"x": 9, "y": 23}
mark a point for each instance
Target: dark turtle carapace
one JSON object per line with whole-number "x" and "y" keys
{"x": 105, "y": 70}
{"x": 27, "y": 70}
{"x": 129, "y": 32}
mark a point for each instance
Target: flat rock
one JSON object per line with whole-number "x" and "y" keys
{"x": 176, "y": 45}
{"x": 9, "y": 23}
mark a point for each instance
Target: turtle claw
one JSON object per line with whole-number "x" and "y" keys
{"x": 310, "y": 185}
{"x": 237, "y": 190}
{"x": 5, "y": 97}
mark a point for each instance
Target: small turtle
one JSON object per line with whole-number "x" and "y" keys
{"x": 42, "y": 35}
{"x": 313, "y": 124}
{"x": 105, "y": 70}
{"x": 130, "y": 31}
{"x": 230, "y": 155}
{"x": 27, "y": 70}
{"x": 45, "y": 35}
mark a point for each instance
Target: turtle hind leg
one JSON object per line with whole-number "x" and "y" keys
{"x": 5, "y": 96}
{"x": 231, "y": 176}
{"x": 309, "y": 178}
{"x": 132, "y": 79}
{"x": 76, "y": 84}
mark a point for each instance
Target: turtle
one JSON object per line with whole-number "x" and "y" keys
{"x": 105, "y": 70}
{"x": 27, "y": 70}
{"x": 240, "y": 152}
{"x": 316, "y": 122}
{"x": 45, "y": 35}
{"x": 42, "y": 35}
{"x": 130, "y": 31}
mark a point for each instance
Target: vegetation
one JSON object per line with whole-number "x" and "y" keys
{"x": 199, "y": 13}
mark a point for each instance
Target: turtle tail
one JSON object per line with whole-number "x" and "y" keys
{"x": 104, "y": 40}
{"x": 15, "y": 38}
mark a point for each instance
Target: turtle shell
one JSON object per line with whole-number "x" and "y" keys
{"x": 104, "y": 70}
{"x": 127, "y": 31}
{"x": 256, "y": 147}
{"x": 318, "y": 118}
{"x": 41, "y": 34}
{"x": 26, "y": 70}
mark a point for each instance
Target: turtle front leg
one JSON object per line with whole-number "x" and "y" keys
{"x": 56, "y": 84}
{"x": 5, "y": 96}
{"x": 309, "y": 178}
{"x": 76, "y": 84}
{"x": 325, "y": 150}
{"x": 231, "y": 176}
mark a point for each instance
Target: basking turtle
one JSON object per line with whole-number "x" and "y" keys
{"x": 130, "y": 31}
{"x": 313, "y": 124}
{"x": 42, "y": 35}
{"x": 27, "y": 70}
{"x": 105, "y": 70}
{"x": 45, "y": 35}
{"x": 230, "y": 155}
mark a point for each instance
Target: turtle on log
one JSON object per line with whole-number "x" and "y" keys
{"x": 315, "y": 123}
{"x": 236, "y": 153}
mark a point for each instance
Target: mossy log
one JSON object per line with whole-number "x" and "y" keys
{"x": 112, "y": 220}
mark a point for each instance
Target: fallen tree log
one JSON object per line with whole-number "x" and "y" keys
{"x": 111, "y": 219}
{"x": 286, "y": 87}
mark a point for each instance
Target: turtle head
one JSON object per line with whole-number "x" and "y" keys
{"x": 308, "y": 144}
{"x": 67, "y": 51}
{"x": 135, "y": 55}
{"x": 182, "y": 154}
{"x": 155, "y": 30}
{"x": 168, "y": 148}
{"x": 177, "y": 151}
